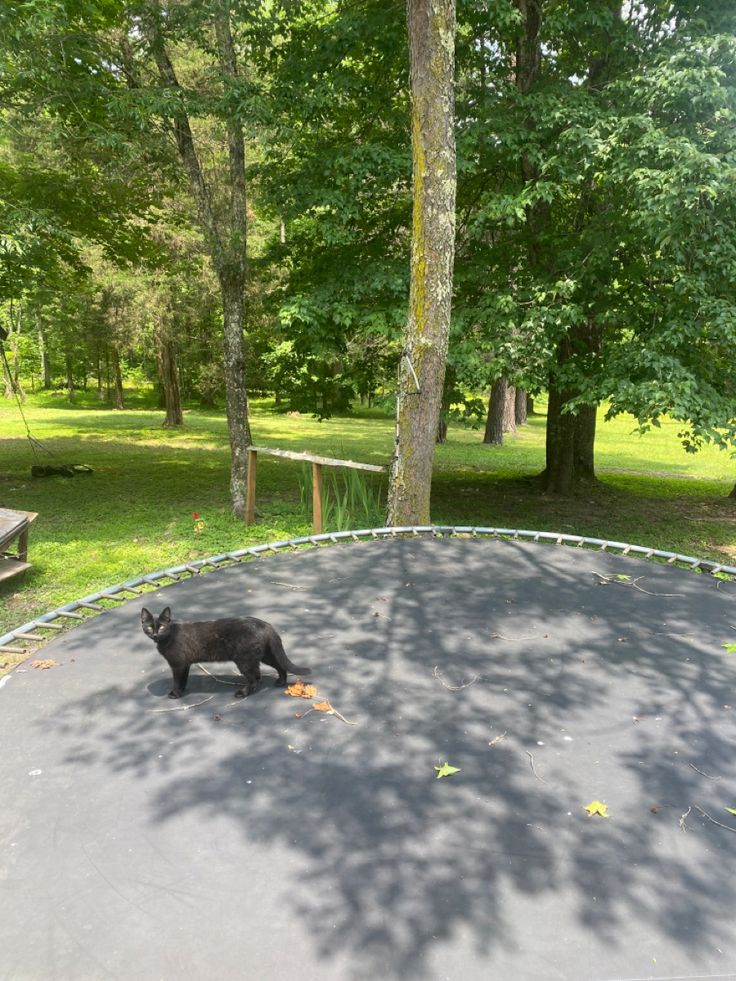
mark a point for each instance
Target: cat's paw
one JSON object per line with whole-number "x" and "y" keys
{"x": 241, "y": 693}
{"x": 175, "y": 693}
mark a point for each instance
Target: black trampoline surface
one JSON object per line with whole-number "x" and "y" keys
{"x": 234, "y": 840}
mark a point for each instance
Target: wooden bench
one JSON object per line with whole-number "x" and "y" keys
{"x": 14, "y": 527}
{"x": 317, "y": 463}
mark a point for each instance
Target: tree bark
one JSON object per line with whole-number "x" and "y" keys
{"x": 509, "y": 410}
{"x": 570, "y": 438}
{"x": 169, "y": 375}
{"x": 431, "y": 29}
{"x": 119, "y": 400}
{"x": 45, "y": 360}
{"x": 496, "y": 410}
{"x": 520, "y": 407}
{"x": 69, "y": 377}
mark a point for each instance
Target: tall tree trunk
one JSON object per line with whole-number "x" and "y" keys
{"x": 233, "y": 302}
{"x": 509, "y": 410}
{"x": 169, "y": 375}
{"x": 431, "y": 29}
{"x": 520, "y": 407}
{"x": 119, "y": 399}
{"x": 69, "y": 376}
{"x": 570, "y": 437}
{"x": 226, "y": 237}
{"x": 45, "y": 360}
{"x": 496, "y": 410}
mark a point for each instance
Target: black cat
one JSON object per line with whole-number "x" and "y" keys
{"x": 244, "y": 640}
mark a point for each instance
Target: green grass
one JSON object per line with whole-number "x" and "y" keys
{"x": 134, "y": 514}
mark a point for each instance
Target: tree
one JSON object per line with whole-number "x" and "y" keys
{"x": 431, "y": 27}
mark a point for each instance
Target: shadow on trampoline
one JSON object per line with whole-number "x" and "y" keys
{"x": 556, "y": 683}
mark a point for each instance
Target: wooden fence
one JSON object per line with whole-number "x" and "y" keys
{"x": 317, "y": 463}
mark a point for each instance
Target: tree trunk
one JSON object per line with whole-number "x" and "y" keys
{"x": 496, "y": 410}
{"x": 168, "y": 373}
{"x": 225, "y": 228}
{"x": 119, "y": 401}
{"x": 733, "y": 491}
{"x": 570, "y": 438}
{"x": 69, "y": 377}
{"x": 233, "y": 304}
{"x": 509, "y": 410}
{"x": 520, "y": 407}
{"x": 45, "y": 360}
{"x": 431, "y": 29}
{"x": 529, "y": 406}
{"x": 8, "y": 380}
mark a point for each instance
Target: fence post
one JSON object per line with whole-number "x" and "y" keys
{"x": 317, "y": 498}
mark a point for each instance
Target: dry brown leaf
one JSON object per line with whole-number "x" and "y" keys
{"x": 44, "y": 664}
{"x": 301, "y": 690}
{"x": 322, "y": 706}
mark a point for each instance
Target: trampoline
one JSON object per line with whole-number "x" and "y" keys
{"x": 144, "y": 839}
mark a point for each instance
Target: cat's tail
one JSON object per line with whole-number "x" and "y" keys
{"x": 282, "y": 658}
{"x": 294, "y": 669}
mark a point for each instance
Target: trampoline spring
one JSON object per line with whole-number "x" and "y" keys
{"x": 35, "y": 637}
{"x": 72, "y": 616}
{"x": 48, "y": 626}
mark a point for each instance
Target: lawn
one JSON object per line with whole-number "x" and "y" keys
{"x": 134, "y": 513}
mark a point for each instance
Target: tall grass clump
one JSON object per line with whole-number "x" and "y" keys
{"x": 350, "y": 498}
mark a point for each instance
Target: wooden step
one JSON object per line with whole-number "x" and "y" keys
{"x": 10, "y": 567}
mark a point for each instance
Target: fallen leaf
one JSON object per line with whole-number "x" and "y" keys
{"x": 731, "y": 810}
{"x": 729, "y": 648}
{"x": 446, "y": 770}
{"x": 301, "y": 690}
{"x": 323, "y": 706}
{"x": 45, "y": 664}
{"x": 597, "y": 808}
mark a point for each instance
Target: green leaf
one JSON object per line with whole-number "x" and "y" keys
{"x": 729, "y": 648}
{"x": 446, "y": 770}
{"x": 731, "y": 810}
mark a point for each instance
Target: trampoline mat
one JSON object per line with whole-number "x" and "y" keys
{"x": 234, "y": 839}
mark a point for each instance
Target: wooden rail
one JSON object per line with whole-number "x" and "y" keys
{"x": 317, "y": 463}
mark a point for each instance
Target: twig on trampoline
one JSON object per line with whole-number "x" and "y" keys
{"x": 534, "y": 770}
{"x": 466, "y": 684}
{"x": 288, "y": 585}
{"x": 520, "y": 637}
{"x": 632, "y": 583}
{"x": 332, "y": 711}
{"x": 713, "y": 820}
{"x": 703, "y": 774}
{"x": 218, "y": 680}
{"x": 683, "y": 826}
{"x": 497, "y": 739}
{"x": 182, "y": 708}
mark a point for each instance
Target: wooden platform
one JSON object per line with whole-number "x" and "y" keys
{"x": 14, "y": 527}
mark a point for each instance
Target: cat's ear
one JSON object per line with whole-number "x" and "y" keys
{"x": 146, "y": 617}
{"x": 165, "y": 616}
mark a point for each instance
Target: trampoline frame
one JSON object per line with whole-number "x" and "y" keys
{"x": 154, "y": 580}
